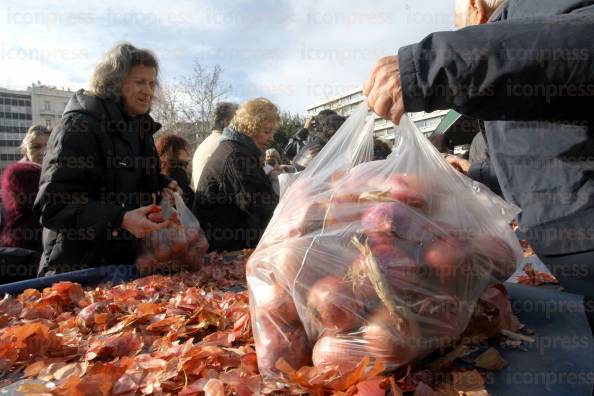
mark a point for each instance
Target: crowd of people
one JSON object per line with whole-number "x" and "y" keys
{"x": 81, "y": 198}
{"x": 81, "y": 195}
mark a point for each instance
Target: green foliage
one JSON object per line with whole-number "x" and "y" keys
{"x": 290, "y": 123}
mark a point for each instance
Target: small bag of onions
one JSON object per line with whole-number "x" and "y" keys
{"x": 182, "y": 246}
{"x": 379, "y": 259}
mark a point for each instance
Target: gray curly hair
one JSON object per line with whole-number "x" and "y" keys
{"x": 112, "y": 70}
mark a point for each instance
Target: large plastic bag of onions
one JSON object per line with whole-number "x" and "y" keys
{"x": 179, "y": 247}
{"x": 380, "y": 259}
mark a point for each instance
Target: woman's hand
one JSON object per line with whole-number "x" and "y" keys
{"x": 173, "y": 187}
{"x": 460, "y": 164}
{"x": 138, "y": 223}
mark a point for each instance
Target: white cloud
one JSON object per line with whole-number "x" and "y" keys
{"x": 297, "y": 52}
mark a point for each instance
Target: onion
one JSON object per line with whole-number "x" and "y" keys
{"x": 273, "y": 300}
{"x": 342, "y": 212}
{"x": 391, "y": 338}
{"x": 401, "y": 188}
{"x": 287, "y": 259}
{"x": 397, "y": 218}
{"x": 274, "y": 342}
{"x": 162, "y": 253}
{"x": 334, "y": 304}
{"x": 379, "y": 238}
{"x": 444, "y": 257}
{"x": 179, "y": 245}
{"x": 397, "y": 266}
{"x": 339, "y": 352}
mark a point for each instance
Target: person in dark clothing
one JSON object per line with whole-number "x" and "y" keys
{"x": 234, "y": 198}
{"x": 101, "y": 171}
{"x": 20, "y": 183}
{"x": 478, "y": 165}
{"x": 306, "y": 134}
{"x": 175, "y": 161}
{"x": 518, "y": 74}
{"x": 328, "y": 127}
{"x": 21, "y": 236}
{"x": 381, "y": 150}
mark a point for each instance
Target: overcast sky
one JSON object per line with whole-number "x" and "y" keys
{"x": 294, "y": 52}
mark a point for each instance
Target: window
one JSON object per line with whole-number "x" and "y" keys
{"x": 48, "y": 123}
{"x": 46, "y": 105}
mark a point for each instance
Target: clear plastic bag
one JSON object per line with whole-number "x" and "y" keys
{"x": 382, "y": 259}
{"x": 182, "y": 246}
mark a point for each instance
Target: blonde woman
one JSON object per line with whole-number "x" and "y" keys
{"x": 234, "y": 198}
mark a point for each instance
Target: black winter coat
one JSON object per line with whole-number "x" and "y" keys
{"x": 530, "y": 76}
{"x": 98, "y": 165}
{"x": 234, "y": 198}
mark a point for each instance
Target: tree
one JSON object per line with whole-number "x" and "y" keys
{"x": 167, "y": 108}
{"x": 289, "y": 124}
{"x": 184, "y": 107}
{"x": 202, "y": 90}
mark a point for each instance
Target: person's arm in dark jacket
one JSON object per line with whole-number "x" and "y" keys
{"x": 539, "y": 68}
{"x": 482, "y": 172}
{"x": 68, "y": 197}
{"x": 296, "y": 142}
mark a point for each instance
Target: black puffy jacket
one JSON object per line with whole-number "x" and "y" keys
{"x": 234, "y": 198}
{"x": 98, "y": 164}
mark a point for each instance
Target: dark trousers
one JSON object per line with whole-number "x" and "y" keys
{"x": 575, "y": 272}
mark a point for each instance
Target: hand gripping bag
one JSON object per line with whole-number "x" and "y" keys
{"x": 182, "y": 246}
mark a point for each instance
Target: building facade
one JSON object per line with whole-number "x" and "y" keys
{"x": 39, "y": 104}
{"x": 48, "y": 104}
{"x": 384, "y": 130}
{"x": 15, "y": 118}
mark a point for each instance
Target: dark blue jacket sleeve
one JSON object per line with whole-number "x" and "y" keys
{"x": 525, "y": 69}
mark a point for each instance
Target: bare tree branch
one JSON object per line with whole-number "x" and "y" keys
{"x": 185, "y": 107}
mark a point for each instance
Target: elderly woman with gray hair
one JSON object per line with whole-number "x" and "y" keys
{"x": 101, "y": 170}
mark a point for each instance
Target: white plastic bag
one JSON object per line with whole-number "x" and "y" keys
{"x": 381, "y": 259}
{"x": 179, "y": 247}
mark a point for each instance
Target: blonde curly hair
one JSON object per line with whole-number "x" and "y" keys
{"x": 253, "y": 114}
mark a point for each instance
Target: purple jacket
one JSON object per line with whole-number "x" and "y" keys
{"x": 20, "y": 228}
